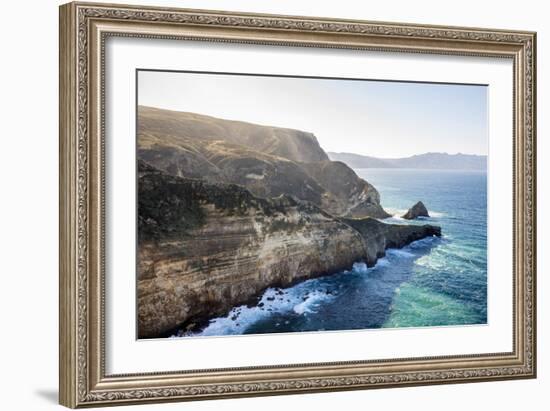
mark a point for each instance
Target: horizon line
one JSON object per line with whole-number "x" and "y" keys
{"x": 407, "y": 156}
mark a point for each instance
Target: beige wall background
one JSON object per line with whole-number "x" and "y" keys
{"x": 29, "y": 187}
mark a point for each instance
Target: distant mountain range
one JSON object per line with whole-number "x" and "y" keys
{"x": 437, "y": 161}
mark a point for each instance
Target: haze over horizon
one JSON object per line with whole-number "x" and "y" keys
{"x": 411, "y": 155}
{"x": 346, "y": 116}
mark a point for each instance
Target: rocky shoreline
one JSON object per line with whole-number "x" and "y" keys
{"x": 227, "y": 209}
{"x": 207, "y": 247}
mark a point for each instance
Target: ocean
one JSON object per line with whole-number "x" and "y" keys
{"x": 431, "y": 282}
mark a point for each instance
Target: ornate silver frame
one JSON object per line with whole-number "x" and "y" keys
{"x": 83, "y": 30}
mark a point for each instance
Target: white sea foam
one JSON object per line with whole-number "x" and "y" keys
{"x": 395, "y": 220}
{"x": 382, "y": 262}
{"x": 301, "y": 299}
{"x": 401, "y": 253}
{"x": 424, "y": 242}
{"x": 396, "y": 212}
{"x": 360, "y": 268}
{"x": 311, "y": 301}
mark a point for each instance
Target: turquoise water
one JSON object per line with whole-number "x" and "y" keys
{"x": 432, "y": 282}
{"x": 448, "y": 283}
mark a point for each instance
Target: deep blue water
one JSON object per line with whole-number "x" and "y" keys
{"x": 431, "y": 282}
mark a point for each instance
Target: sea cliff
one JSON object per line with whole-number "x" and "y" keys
{"x": 227, "y": 209}
{"x": 205, "y": 247}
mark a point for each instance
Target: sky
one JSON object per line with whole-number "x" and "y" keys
{"x": 374, "y": 118}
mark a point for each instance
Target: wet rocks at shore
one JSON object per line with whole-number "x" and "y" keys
{"x": 228, "y": 209}
{"x": 205, "y": 247}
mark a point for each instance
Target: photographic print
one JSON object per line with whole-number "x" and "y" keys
{"x": 257, "y": 204}
{"x": 280, "y": 204}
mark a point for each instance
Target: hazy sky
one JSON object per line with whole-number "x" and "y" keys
{"x": 381, "y": 119}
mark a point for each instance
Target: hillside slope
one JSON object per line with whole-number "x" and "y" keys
{"x": 268, "y": 161}
{"x": 207, "y": 247}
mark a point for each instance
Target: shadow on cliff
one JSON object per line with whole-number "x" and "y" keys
{"x": 361, "y": 298}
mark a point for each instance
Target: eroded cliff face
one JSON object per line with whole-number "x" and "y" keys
{"x": 268, "y": 161}
{"x": 354, "y": 196}
{"x": 206, "y": 247}
{"x": 227, "y": 209}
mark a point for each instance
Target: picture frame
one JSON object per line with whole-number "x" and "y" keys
{"x": 85, "y": 28}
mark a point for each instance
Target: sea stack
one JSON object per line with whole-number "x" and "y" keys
{"x": 206, "y": 247}
{"x": 417, "y": 210}
{"x": 228, "y": 209}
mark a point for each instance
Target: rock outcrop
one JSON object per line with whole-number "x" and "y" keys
{"x": 205, "y": 247}
{"x": 378, "y": 236}
{"x": 417, "y": 210}
{"x": 355, "y": 196}
{"x": 268, "y": 161}
{"x": 227, "y": 209}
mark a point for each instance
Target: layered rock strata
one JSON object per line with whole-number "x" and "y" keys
{"x": 206, "y": 247}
